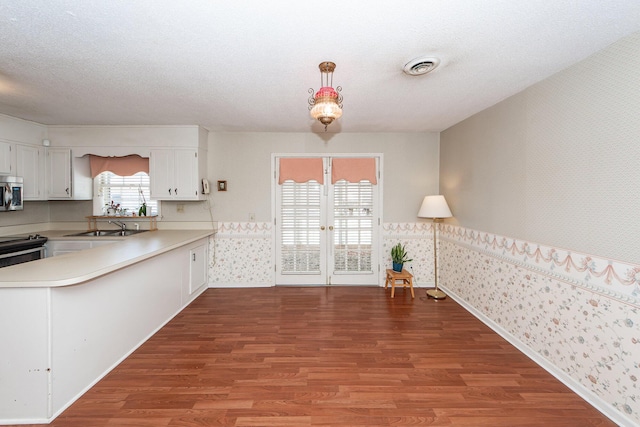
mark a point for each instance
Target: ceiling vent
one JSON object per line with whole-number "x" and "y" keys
{"x": 420, "y": 66}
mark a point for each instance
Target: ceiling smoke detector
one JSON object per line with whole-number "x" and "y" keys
{"x": 420, "y": 66}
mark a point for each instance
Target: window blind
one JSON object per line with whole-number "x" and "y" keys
{"x": 300, "y": 227}
{"x": 125, "y": 191}
{"x": 353, "y": 226}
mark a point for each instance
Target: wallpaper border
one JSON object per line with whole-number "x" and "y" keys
{"x": 247, "y": 229}
{"x": 610, "y": 278}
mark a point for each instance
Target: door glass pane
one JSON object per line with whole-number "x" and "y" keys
{"x": 300, "y": 227}
{"x": 353, "y": 226}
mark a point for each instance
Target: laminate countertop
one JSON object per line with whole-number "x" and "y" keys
{"x": 79, "y": 267}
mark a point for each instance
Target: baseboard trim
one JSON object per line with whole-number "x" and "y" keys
{"x": 240, "y": 285}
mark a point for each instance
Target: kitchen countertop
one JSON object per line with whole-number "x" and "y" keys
{"x": 79, "y": 267}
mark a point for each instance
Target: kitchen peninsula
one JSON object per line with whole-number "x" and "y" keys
{"x": 71, "y": 318}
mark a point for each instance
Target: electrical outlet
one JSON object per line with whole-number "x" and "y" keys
{"x": 180, "y": 208}
{"x": 252, "y": 217}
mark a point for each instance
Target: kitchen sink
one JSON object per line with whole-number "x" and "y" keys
{"x": 106, "y": 233}
{"x": 127, "y": 232}
{"x": 95, "y": 233}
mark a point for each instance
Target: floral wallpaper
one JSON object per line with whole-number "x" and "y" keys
{"x": 241, "y": 255}
{"x": 578, "y": 312}
{"x": 417, "y": 239}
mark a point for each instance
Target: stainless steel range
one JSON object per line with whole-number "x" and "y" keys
{"x": 19, "y": 249}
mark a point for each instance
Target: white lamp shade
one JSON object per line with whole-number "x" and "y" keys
{"x": 434, "y": 207}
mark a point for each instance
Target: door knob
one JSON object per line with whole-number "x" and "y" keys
{"x": 331, "y": 227}
{"x": 322, "y": 227}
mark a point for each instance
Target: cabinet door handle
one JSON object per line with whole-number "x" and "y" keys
{"x": 175, "y": 191}
{"x": 67, "y": 190}
{"x": 194, "y": 257}
{"x": 169, "y": 191}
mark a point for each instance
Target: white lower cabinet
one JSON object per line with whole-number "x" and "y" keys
{"x": 197, "y": 267}
{"x": 78, "y": 332}
{"x": 195, "y": 278}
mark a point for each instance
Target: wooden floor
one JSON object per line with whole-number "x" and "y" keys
{"x": 327, "y": 356}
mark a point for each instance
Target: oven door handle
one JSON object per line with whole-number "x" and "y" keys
{"x": 26, "y": 251}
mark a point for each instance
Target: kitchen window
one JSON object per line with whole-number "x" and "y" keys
{"x": 127, "y": 191}
{"x": 123, "y": 182}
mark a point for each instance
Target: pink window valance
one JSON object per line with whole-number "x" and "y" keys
{"x": 354, "y": 170}
{"x": 122, "y": 166}
{"x": 301, "y": 170}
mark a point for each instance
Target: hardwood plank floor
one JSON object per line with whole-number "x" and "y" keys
{"x": 327, "y": 356}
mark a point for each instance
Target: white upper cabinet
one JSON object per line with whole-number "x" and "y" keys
{"x": 59, "y": 173}
{"x": 68, "y": 178}
{"x": 186, "y": 175}
{"x": 5, "y": 158}
{"x": 15, "y": 133}
{"x": 161, "y": 170}
{"x": 175, "y": 174}
{"x": 30, "y": 166}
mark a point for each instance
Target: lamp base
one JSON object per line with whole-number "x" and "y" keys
{"x": 436, "y": 294}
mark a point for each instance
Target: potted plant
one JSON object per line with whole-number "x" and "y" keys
{"x": 112, "y": 209}
{"x": 399, "y": 257}
{"x": 143, "y": 208}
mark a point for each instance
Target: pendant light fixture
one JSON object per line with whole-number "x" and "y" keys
{"x": 326, "y": 105}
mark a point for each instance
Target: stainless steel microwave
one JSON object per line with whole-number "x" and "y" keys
{"x": 11, "y": 191}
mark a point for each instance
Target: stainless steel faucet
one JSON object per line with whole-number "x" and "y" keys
{"x": 122, "y": 225}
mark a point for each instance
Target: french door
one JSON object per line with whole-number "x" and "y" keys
{"x": 327, "y": 232}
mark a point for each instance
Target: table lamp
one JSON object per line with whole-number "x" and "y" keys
{"x": 436, "y": 208}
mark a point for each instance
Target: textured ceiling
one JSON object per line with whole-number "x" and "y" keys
{"x": 247, "y": 65}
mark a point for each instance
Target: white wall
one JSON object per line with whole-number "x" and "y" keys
{"x": 557, "y": 163}
{"x": 241, "y": 251}
{"x": 244, "y": 161}
{"x": 544, "y": 189}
